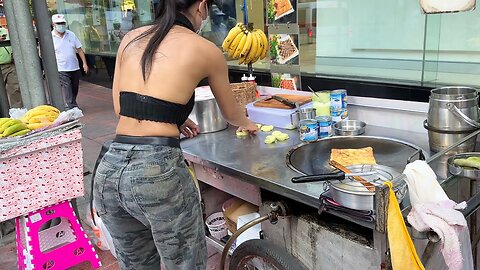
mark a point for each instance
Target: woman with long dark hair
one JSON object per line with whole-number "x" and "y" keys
{"x": 143, "y": 190}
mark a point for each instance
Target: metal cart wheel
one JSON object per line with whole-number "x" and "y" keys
{"x": 263, "y": 255}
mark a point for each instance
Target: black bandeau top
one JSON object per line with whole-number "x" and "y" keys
{"x": 143, "y": 107}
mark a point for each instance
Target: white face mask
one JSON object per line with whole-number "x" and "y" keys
{"x": 204, "y": 21}
{"x": 61, "y": 28}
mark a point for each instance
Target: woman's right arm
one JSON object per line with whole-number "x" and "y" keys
{"x": 220, "y": 85}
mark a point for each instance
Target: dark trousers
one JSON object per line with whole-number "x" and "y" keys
{"x": 69, "y": 81}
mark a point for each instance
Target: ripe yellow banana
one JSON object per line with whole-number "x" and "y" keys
{"x": 240, "y": 46}
{"x": 37, "y": 125}
{"x": 260, "y": 47}
{"x": 265, "y": 44}
{"x": 21, "y": 132}
{"x": 13, "y": 129}
{"x": 253, "y": 49}
{"x": 231, "y": 36}
{"x": 234, "y": 44}
{"x": 43, "y": 118}
{"x": 8, "y": 124}
{"x": 248, "y": 45}
{"x": 47, "y": 107}
{"x": 38, "y": 112}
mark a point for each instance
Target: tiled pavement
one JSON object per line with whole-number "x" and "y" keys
{"x": 100, "y": 122}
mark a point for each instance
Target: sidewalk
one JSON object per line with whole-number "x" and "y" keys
{"x": 100, "y": 122}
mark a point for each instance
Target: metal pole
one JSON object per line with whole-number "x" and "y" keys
{"x": 43, "y": 21}
{"x": 4, "y": 105}
{"x": 17, "y": 53}
{"x": 29, "y": 52}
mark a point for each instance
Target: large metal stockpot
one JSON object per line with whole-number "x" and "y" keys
{"x": 206, "y": 112}
{"x": 452, "y": 114}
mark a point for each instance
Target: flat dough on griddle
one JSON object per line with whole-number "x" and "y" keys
{"x": 348, "y": 157}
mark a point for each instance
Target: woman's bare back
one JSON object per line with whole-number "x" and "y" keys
{"x": 181, "y": 61}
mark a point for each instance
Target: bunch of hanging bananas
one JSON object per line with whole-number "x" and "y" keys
{"x": 10, "y": 127}
{"x": 245, "y": 45}
{"x": 40, "y": 116}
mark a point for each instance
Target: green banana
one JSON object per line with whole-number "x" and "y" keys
{"x": 471, "y": 162}
{"x": 8, "y": 124}
{"x": 13, "y": 129}
{"x": 21, "y": 132}
{"x": 4, "y": 120}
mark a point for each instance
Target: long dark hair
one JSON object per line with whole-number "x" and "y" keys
{"x": 165, "y": 15}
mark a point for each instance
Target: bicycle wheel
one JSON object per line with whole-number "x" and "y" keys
{"x": 259, "y": 254}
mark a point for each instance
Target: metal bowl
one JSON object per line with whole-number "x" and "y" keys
{"x": 471, "y": 173}
{"x": 349, "y": 127}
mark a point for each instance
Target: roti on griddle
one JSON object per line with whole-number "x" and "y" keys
{"x": 348, "y": 157}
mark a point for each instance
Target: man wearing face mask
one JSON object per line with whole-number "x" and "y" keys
{"x": 67, "y": 46}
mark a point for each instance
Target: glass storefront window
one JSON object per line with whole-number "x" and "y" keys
{"x": 377, "y": 40}
{"x": 101, "y": 24}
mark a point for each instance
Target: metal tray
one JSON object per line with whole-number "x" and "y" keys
{"x": 460, "y": 171}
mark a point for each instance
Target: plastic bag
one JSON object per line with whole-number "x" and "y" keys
{"x": 102, "y": 239}
{"x": 67, "y": 116}
{"x": 17, "y": 113}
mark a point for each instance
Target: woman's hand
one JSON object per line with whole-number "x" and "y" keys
{"x": 250, "y": 127}
{"x": 189, "y": 129}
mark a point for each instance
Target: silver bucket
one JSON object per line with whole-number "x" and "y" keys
{"x": 453, "y": 114}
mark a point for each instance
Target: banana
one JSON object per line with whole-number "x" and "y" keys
{"x": 4, "y": 120}
{"x": 8, "y": 124}
{"x": 253, "y": 49}
{"x": 260, "y": 47}
{"x": 248, "y": 45}
{"x": 241, "y": 60}
{"x": 265, "y": 43}
{"x": 47, "y": 107}
{"x": 32, "y": 113}
{"x": 240, "y": 46}
{"x": 21, "y": 132}
{"x": 43, "y": 118}
{"x": 234, "y": 44}
{"x": 37, "y": 125}
{"x": 231, "y": 36}
{"x": 13, "y": 129}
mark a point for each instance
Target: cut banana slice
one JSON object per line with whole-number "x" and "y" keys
{"x": 270, "y": 139}
{"x": 242, "y": 133}
{"x": 266, "y": 128}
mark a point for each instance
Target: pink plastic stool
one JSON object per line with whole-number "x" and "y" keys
{"x": 58, "y": 247}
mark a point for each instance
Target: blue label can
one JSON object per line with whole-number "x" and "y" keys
{"x": 324, "y": 126}
{"x": 338, "y": 100}
{"x": 340, "y": 115}
{"x": 308, "y": 129}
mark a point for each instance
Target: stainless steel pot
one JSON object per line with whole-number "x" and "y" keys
{"x": 208, "y": 116}
{"x": 453, "y": 114}
{"x": 354, "y": 195}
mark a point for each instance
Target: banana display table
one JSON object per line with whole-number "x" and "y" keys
{"x": 39, "y": 173}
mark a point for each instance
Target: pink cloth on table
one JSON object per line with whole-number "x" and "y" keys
{"x": 447, "y": 222}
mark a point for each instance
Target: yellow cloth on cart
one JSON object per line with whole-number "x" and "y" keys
{"x": 402, "y": 250}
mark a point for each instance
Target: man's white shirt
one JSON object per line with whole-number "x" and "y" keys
{"x": 66, "y": 50}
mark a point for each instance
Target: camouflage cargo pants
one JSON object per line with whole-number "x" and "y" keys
{"x": 148, "y": 201}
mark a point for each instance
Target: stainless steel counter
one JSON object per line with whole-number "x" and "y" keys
{"x": 264, "y": 165}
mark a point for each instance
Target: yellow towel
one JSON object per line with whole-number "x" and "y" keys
{"x": 402, "y": 250}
